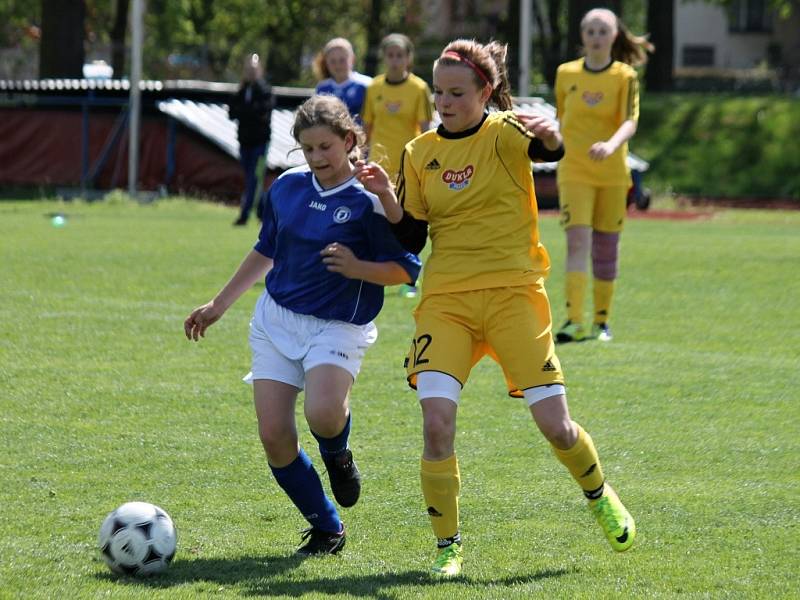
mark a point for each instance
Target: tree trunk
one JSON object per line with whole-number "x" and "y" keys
{"x": 575, "y": 11}
{"x": 550, "y": 38}
{"x": 117, "y": 35}
{"x": 661, "y": 25}
{"x": 374, "y": 36}
{"x": 63, "y": 28}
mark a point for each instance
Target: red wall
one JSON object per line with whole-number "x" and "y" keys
{"x": 42, "y": 147}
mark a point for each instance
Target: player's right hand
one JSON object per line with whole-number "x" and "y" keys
{"x": 373, "y": 177}
{"x": 200, "y": 319}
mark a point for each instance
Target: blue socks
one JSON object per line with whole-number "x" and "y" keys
{"x": 334, "y": 445}
{"x": 301, "y": 483}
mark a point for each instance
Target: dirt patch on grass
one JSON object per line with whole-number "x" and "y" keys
{"x": 670, "y": 215}
{"x": 687, "y": 208}
{"x": 757, "y": 203}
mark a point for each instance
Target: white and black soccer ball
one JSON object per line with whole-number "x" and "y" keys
{"x": 138, "y": 538}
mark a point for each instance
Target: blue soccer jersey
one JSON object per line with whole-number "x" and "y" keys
{"x": 352, "y": 91}
{"x": 300, "y": 219}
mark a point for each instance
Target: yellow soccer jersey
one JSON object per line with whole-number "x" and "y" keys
{"x": 591, "y": 107}
{"x": 394, "y": 111}
{"x": 475, "y": 190}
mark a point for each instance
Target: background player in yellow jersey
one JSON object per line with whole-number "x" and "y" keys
{"x": 397, "y": 109}
{"x": 597, "y": 97}
{"x": 469, "y": 185}
{"x": 398, "y": 105}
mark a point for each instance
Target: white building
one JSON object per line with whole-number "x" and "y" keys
{"x": 746, "y": 35}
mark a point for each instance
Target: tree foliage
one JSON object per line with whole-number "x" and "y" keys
{"x": 783, "y": 8}
{"x": 210, "y": 38}
{"x": 216, "y": 35}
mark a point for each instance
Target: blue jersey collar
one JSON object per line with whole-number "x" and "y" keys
{"x": 334, "y": 190}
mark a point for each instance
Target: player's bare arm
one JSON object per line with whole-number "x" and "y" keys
{"x": 543, "y": 128}
{"x": 602, "y": 150}
{"x": 340, "y": 259}
{"x": 253, "y": 268}
{"x": 376, "y": 180}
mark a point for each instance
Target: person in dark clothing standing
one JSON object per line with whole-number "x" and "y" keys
{"x": 252, "y": 107}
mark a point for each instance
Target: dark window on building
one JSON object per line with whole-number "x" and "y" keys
{"x": 746, "y": 16}
{"x": 698, "y": 56}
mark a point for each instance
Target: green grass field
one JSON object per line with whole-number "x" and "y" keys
{"x": 694, "y": 407}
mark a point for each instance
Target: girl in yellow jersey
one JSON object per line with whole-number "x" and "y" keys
{"x": 397, "y": 109}
{"x": 398, "y": 105}
{"x": 468, "y": 185}
{"x": 597, "y": 98}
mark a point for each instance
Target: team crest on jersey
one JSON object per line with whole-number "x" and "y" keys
{"x": 592, "y": 98}
{"x": 458, "y": 180}
{"x": 393, "y": 107}
{"x": 341, "y": 214}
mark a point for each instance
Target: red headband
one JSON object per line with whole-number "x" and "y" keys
{"x": 469, "y": 63}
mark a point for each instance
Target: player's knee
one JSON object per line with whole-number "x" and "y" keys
{"x": 276, "y": 440}
{"x": 562, "y": 434}
{"x": 605, "y": 251}
{"x": 439, "y": 434}
{"x": 326, "y": 419}
{"x": 578, "y": 244}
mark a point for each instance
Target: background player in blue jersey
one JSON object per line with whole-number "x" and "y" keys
{"x": 333, "y": 66}
{"x": 327, "y": 250}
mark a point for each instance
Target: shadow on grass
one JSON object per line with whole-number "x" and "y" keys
{"x": 269, "y": 576}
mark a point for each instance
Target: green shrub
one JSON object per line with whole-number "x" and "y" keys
{"x": 721, "y": 145}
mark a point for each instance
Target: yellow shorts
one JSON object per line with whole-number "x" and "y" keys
{"x": 601, "y": 208}
{"x": 513, "y": 325}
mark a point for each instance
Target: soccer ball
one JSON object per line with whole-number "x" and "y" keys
{"x": 138, "y": 538}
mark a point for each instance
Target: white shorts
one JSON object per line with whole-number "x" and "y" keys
{"x": 287, "y": 344}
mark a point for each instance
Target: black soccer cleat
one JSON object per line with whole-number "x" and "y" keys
{"x": 344, "y": 476}
{"x": 318, "y": 542}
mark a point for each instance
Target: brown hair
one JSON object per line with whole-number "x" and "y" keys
{"x": 487, "y": 62}
{"x": 628, "y": 48}
{"x": 318, "y": 65}
{"x": 328, "y": 111}
{"x": 401, "y": 40}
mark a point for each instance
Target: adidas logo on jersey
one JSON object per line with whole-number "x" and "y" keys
{"x": 548, "y": 366}
{"x": 433, "y": 165}
{"x": 317, "y": 205}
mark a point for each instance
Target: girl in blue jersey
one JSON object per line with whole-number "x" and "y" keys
{"x": 333, "y": 66}
{"x": 326, "y": 250}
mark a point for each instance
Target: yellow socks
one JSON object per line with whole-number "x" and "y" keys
{"x": 584, "y": 464}
{"x": 603, "y": 293}
{"x": 576, "y": 291}
{"x": 441, "y": 483}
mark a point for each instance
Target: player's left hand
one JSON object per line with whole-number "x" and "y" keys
{"x": 373, "y": 177}
{"x": 340, "y": 259}
{"x": 543, "y": 128}
{"x": 200, "y": 319}
{"x": 601, "y": 150}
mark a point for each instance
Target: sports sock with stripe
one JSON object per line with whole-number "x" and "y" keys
{"x": 441, "y": 483}
{"x": 583, "y": 463}
{"x": 301, "y": 483}
{"x": 576, "y": 291}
